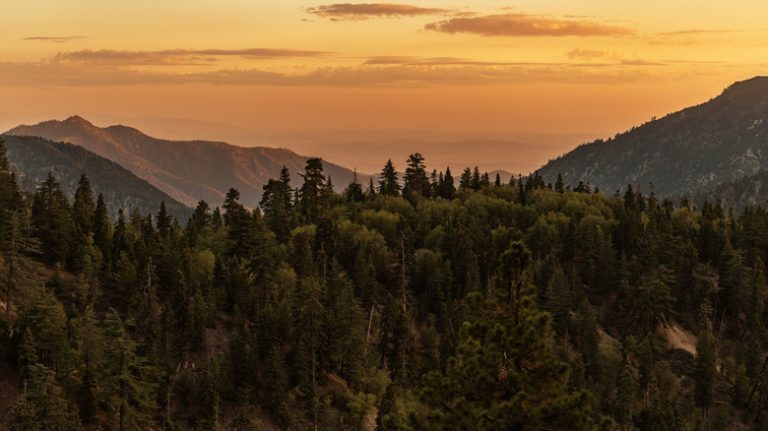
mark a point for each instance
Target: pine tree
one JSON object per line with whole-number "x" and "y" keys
{"x": 415, "y": 178}
{"x": 276, "y": 382}
{"x": 239, "y": 225}
{"x": 388, "y": 181}
{"x": 51, "y": 410}
{"x": 120, "y": 241}
{"x": 126, "y": 390}
{"x": 485, "y": 181}
{"x": 447, "y": 188}
{"x": 10, "y": 195}
{"x": 512, "y": 263}
{"x": 309, "y": 313}
{"x": 651, "y": 304}
{"x": 200, "y": 222}
{"x": 494, "y": 382}
{"x": 354, "y": 191}
{"x": 163, "y": 222}
{"x": 588, "y": 340}
{"x": 476, "y": 182}
{"x": 312, "y": 200}
{"x": 90, "y": 349}
{"x": 391, "y": 416}
{"x": 705, "y": 370}
{"x": 52, "y": 221}
{"x": 559, "y": 185}
{"x": 84, "y": 207}
{"x": 626, "y": 391}
{"x": 102, "y": 227}
{"x": 276, "y": 203}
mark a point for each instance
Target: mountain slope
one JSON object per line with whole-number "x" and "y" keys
{"x": 186, "y": 170}
{"x": 751, "y": 190}
{"x": 33, "y": 158}
{"x": 698, "y": 148}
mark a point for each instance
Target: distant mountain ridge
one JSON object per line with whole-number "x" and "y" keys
{"x": 188, "y": 171}
{"x": 33, "y": 158}
{"x": 696, "y": 149}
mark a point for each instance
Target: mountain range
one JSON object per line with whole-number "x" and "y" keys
{"x": 698, "y": 150}
{"x": 188, "y": 171}
{"x": 33, "y": 158}
{"x": 715, "y": 150}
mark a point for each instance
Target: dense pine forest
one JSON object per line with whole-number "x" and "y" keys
{"x": 425, "y": 302}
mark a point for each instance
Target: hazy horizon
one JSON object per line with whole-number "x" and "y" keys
{"x": 541, "y": 77}
{"x": 364, "y": 150}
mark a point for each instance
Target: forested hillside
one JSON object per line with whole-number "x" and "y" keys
{"x": 446, "y": 303}
{"x": 33, "y": 159}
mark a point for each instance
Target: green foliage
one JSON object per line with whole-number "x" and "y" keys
{"x": 520, "y": 306}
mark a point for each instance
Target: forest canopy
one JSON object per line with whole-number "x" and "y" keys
{"x": 421, "y": 302}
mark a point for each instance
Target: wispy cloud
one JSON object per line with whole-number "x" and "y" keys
{"x": 177, "y": 57}
{"x": 523, "y": 25}
{"x": 687, "y": 37}
{"x": 609, "y": 58}
{"x": 445, "y": 61}
{"x": 589, "y": 54}
{"x": 694, "y": 32}
{"x": 360, "y": 11}
{"x": 442, "y": 72}
{"x": 54, "y": 39}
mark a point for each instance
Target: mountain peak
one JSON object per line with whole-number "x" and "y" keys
{"x": 78, "y": 120}
{"x": 756, "y": 87}
{"x": 187, "y": 171}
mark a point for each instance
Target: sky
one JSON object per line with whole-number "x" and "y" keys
{"x": 503, "y": 84}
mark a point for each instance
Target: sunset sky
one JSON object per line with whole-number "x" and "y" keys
{"x": 506, "y": 84}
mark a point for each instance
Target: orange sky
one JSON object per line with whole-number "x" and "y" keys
{"x": 503, "y": 84}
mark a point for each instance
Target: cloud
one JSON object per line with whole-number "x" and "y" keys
{"x": 177, "y": 57}
{"x": 693, "y": 32}
{"x": 54, "y": 39}
{"x": 609, "y": 58}
{"x": 522, "y": 25}
{"x": 48, "y": 73}
{"x": 361, "y": 11}
{"x": 444, "y": 61}
{"x": 588, "y": 54}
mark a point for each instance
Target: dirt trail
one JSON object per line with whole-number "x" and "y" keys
{"x": 679, "y": 338}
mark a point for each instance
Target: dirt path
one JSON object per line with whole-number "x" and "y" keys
{"x": 679, "y": 338}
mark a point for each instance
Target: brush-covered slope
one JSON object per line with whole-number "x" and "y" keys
{"x": 698, "y": 148}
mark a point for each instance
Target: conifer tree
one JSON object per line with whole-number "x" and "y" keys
{"x": 10, "y": 195}
{"x": 559, "y": 185}
{"x": 389, "y": 184}
{"x": 52, "y": 221}
{"x": 311, "y": 196}
{"x": 277, "y": 205}
{"x": 43, "y": 396}
{"x": 705, "y": 370}
{"x": 415, "y": 179}
{"x": 491, "y": 383}
{"x": 354, "y": 191}
{"x": 129, "y": 396}
{"x": 102, "y": 227}
{"x": 84, "y": 207}
{"x": 465, "y": 181}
